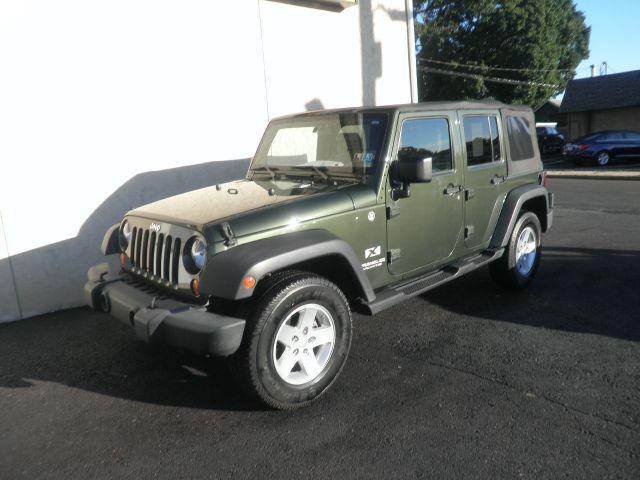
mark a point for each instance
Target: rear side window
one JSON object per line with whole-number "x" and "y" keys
{"x": 427, "y": 137}
{"x": 519, "y": 131}
{"x": 481, "y": 139}
{"x": 633, "y": 136}
{"x": 614, "y": 136}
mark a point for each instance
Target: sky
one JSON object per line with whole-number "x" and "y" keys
{"x": 615, "y": 35}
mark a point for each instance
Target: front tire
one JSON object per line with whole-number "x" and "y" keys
{"x": 297, "y": 339}
{"x": 518, "y": 266}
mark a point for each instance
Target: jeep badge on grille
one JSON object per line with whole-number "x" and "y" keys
{"x": 155, "y": 227}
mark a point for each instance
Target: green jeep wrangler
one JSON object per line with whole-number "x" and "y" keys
{"x": 355, "y": 209}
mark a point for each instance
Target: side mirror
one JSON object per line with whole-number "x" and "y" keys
{"x": 414, "y": 170}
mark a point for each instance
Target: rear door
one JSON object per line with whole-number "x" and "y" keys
{"x": 485, "y": 173}
{"x": 615, "y": 143}
{"x": 633, "y": 143}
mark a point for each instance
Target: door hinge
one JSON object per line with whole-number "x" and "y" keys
{"x": 468, "y": 231}
{"x": 393, "y": 211}
{"x": 469, "y": 194}
{"x": 392, "y": 255}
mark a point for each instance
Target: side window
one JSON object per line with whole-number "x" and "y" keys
{"x": 427, "y": 137}
{"x": 614, "y": 136}
{"x": 519, "y": 131}
{"x": 481, "y": 139}
{"x": 633, "y": 136}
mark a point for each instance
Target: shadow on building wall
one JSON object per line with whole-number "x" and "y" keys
{"x": 371, "y": 54}
{"x": 51, "y": 277}
{"x": 371, "y": 50}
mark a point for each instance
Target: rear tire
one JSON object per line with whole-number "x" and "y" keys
{"x": 296, "y": 341}
{"x": 603, "y": 158}
{"x": 518, "y": 265}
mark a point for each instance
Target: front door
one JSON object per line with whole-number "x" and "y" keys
{"x": 424, "y": 228}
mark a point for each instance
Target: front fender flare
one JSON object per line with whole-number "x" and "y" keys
{"x": 224, "y": 274}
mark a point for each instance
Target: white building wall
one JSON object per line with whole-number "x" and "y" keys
{"x": 105, "y": 106}
{"x": 315, "y": 58}
{"x": 9, "y": 309}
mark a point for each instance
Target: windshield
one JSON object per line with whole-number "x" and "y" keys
{"x": 324, "y": 147}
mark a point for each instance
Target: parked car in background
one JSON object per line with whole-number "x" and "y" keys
{"x": 549, "y": 139}
{"x": 602, "y": 147}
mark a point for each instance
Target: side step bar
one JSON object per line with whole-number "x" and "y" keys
{"x": 390, "y": 296}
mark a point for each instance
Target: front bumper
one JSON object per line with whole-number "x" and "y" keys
{"x": 165, "y": 321}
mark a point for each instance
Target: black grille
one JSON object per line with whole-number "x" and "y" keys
{"x": 155, "y": 255}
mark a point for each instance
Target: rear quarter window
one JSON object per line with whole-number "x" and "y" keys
{"x": 614, "y": 136}
{"x": 633, "y": 136}
{"x": 519, "y": 132}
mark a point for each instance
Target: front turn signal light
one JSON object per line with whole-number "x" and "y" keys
{"x": 195, "y": 287}
{"x": 249, "y": 282}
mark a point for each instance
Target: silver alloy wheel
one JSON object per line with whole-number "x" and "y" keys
{"x": 603, "y": 159}
{"x": 526, "y": 251}
{"x": 304, "y": 344}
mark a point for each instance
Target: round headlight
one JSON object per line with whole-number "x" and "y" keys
{"x": 125, "y": 235}
{"x": 198, "y": 253}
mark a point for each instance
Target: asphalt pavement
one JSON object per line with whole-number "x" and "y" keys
{"x": 467, "y": 381}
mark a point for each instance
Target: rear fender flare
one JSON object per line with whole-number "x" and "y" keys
{"x": 511, "y": 210}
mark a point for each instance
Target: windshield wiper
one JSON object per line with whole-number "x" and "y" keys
{"x": 322, "y": 174}
{"x": 263, "y": 168}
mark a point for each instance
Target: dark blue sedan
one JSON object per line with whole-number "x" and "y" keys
{"x": 601, "y": 147}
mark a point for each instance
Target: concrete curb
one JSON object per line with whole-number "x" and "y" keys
{"x": 593, "y": 174}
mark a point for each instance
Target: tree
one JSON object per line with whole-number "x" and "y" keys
{"x": 471, "y": 49}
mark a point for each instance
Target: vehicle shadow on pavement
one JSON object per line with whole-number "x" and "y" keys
{"x": 582, "y": 290}
{"x": 592, "y": 291}
{"x": 91, "y": 351}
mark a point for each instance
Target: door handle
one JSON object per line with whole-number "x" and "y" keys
{"x": 453, "y": 189}
{"x": 498, "y": 180}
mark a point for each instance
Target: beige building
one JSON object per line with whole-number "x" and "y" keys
{"x": 607, "y": 102}
{"x": 109, "y": 105}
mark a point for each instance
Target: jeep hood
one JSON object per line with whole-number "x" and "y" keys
{"x": 250, "y": 206}
{"x": 209, "y": 204}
